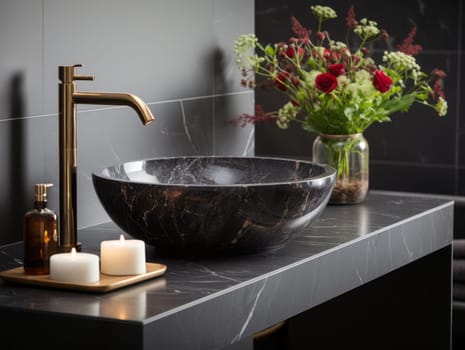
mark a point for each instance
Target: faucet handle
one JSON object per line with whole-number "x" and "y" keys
{"x": 81, "y": 77}
{"x": 67, "y": 74}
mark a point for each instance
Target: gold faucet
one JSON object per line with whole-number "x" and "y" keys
{"x": 68, "y": 98}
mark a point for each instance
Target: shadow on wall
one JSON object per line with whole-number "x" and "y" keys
{"x": 14, "y": 199}
{"x": 222, "y": 106}
{"x": 230, "y": 138}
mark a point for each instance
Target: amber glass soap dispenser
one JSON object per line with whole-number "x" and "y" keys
{"x": 40, "y": 234}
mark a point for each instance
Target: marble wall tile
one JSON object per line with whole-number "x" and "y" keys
{"x": 420, "y": 135}
{"x": 149, "y": 48}
{"x": 401, "y": 176}
{"x": 21, "y": 43}
{"x": 437, "y": 24}
{"x": 29, "y": 152}
{"x": 226, "y": 29}
{"x": 177, "y": 56}
{"x": 231, "y": 139}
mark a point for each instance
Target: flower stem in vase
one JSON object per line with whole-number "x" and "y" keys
{"x": 348, "y": 154}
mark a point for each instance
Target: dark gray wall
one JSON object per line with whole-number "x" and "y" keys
{"x": 417, "y": 151}
{"x": 176, "y": 55}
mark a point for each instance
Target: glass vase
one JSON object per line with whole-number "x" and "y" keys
{"x": 349, "y": 155}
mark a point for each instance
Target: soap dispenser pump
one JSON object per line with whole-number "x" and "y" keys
{"x": 40, "y": 234}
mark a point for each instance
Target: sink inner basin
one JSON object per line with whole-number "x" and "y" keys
{"x": 202, "y": 206}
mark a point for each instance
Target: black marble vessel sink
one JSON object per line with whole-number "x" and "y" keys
{"x": 211, "y": 206}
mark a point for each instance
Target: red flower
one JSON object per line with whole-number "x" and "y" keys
{"x": 291, "y": 52}
{"x": 437, "y": 89}
{"x": 337, "y": 69}
{"x": 325, "y": 82}
{"x": 381, "y": 81}
{"x": 351, "y": 22}
{"x": 302, "y": 33}
{"x": 280, "y": 80}
{"x": 259, "y": 116}
{"x": 438, "y": 73}
{"x": 408, "y": 47}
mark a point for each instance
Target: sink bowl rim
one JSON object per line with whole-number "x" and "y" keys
{"x": 328, "y": 171}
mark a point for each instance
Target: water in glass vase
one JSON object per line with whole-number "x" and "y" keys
{"x": 349, "y": 155}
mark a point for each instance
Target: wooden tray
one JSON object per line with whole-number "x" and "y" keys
{"x": 105, "y": 284}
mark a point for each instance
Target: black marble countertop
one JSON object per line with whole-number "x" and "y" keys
{"x": 210, "y": 304}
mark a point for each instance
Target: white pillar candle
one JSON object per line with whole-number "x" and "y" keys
{"x": 122, "y": 257}
{"x": 75, "y": 267}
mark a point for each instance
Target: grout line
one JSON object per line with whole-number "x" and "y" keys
{"x": 202, "y": 97}
{"x": 177, "y": 100}
{"x": 426, "y": 51}
{"x": 413, "y": 164}
{"x": 29, "y": 117}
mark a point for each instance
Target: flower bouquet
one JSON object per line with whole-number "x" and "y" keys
{"x": 335, "y": 87}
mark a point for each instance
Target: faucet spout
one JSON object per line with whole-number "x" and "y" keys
{"x": 68, "y": 99}
{"x": 115, "y": 98}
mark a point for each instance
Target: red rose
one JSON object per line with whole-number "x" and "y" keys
{"x": 337, "y": 69}
{"x": 381, "y": 81}
{"x": 325, "y": 82}
{"x": 291, "y": 52}
{"x": 280, "y": 80}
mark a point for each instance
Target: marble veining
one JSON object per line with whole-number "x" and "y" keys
{"x": 209, "y": 206}
{"x": 186, "y": 127}
{"x": 250, "y": 145}
{"x": 233, "y": 297}
{"x": 251, "y": 310}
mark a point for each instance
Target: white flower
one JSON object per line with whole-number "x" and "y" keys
{"x": 243, "y": 49}
{"x": 441, "y": 107}
{"x": 324, "y": 12}
{"x": 400, "y": 61}
{"x": 342, "y": 81}
{"x": 366, "y": 29}
{"x": 362, "y": 75}
{"x": 310, "y": 77}
{"x": 337, "y": 45}
{"x": 320, "y": 50}
{"x": 362, "y": 86}
{"x": 285, "y": 115}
